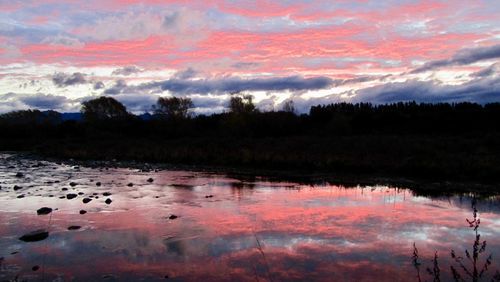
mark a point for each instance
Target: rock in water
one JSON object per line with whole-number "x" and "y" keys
{"x": 73, "y": 184}
{"x": 37, "y": 235}
{"x": 107, "y": 194}
{"x": 19, "y": 174}
{"x": 74, "y": 227}
{"x": 86, "y": 200}
{"x": 108, "y": 201}
{"x": 35, "y": 268}
{"x": 83, "y": 211}
{"x": 130, "y": 184}
{"x": 71, "y": 196}
{"x": 172, "y": 217}
{"x": 150, "y": 180}
{"x": 98, "y": 184}
{"x": 44, "y": 210}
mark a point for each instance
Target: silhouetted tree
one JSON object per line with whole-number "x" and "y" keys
{"x": 103, "y": 108}
{"x": 31, "y": 117}
{"x": 289, "y": 107}
{"x": 239, "y": 104}
{"x": 173, "y": 107}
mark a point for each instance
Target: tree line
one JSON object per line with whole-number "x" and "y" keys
{"x": 172, "y": 116}
{"x": 458, "y": 141}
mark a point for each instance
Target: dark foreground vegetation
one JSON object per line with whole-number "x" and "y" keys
{"x": 435, "y": 141}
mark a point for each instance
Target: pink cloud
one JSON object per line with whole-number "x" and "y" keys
{"x": 152, "y": 50}
{"x": 366, "y": 40}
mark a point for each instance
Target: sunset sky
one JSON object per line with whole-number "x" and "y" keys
{"x": 55, "y": 54}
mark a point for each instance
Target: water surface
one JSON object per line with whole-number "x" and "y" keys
{"x": 226, "y": 229}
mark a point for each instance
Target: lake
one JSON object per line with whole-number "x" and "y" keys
{"x": 170, "y": 225}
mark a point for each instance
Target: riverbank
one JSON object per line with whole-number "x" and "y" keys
{"x": 373, "y": 171}
{"x": 434, "y": 142}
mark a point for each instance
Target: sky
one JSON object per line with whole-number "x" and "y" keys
{"x": 56, "y": 54}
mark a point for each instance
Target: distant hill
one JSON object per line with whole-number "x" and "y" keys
{"x": 71, "y": 116}
{"x": 78, "y": 116}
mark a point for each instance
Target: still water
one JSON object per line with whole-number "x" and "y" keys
{"x": 199, "y": 226}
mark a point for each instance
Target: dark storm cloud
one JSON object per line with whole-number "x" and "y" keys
{"x": 209, "y": 102}
{"x": 63, "y": 79}
{"x": 16, "y": 101}
{"x": 43, "y": 101}
{"x": 359, "y": 79}
{"x": 222, "y": 85}
{"x": 233, "y": 84}
{"x": 137, "y": 102}
{"x": 119, "y": 87}
{"x": 185, "y": 74}
{"x": 463, "y": 57}
{"x": 126, "y": 71}
{"x": 486, "y": 71}
{"x": 98, "y": 85}
{"x": 478, "y": 90}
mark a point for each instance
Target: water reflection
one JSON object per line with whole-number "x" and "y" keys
{"x": 472, "y": 267}
{"x": 251, "y": 229}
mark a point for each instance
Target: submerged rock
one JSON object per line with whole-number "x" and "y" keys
{"x": 209, "y": 196}
{"x": 19, "y": 174}
{"x": 64, "y": 189}
{"x": 106, "y": 194}
{"x": 172, "y": 217}
{"x": 130, "y": 184}
{"x": 71, "y": 196}
{"x": 108, "y": 201}
{"x": 43, "y": 211}
{"x": 98, "y": 184}
{"x": 20, "y": 196}
{"x": 86, "y": 200}
{"x": 150, "y": 180}
{"x": 73, "y": 184}
{"x": 83, "y": 211}
{"x": 74, "y": 227}
{"x": 37, "y": 235}
{"x": 109, "y": 277}
{"x": 17, "y": 188}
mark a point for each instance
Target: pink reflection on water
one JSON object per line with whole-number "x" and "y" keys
{"x": 248, "y": 230}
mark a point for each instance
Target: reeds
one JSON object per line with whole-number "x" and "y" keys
{"x": 468, "y": 268}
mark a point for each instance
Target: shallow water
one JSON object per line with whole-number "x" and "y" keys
{"x": 249, "y": 230}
